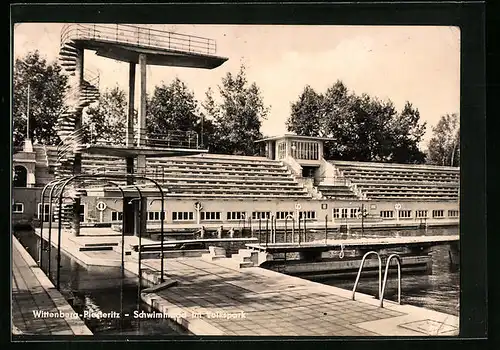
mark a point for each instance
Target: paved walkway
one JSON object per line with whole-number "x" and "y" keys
{"x": 32, "y": 292}
{"x": 214, "y": 298}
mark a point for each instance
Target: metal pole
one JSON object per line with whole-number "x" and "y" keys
{"x": 140, "y": 240}
{"x": 300, "y": 235}
{"x": 286, "y": 229}
{"x": 260, "y": 229}
{"x": 267, "y": 230}
{"x": 362, "y": 219}
{"x": 59, "y": 223}
{"x": 50, "y": 228}
{"x": 42, "y": 216}
{"x": 293, "y": 230}
{"x": 326, "y": 229}
{"x": 28, "y": 116}
{"x": 305, "y": 231}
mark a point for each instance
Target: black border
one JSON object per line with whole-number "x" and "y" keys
{"x": 470, "y": 17}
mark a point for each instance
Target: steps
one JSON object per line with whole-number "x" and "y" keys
{"x": 86, "y": 94}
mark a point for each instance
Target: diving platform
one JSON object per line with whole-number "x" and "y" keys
{"x": 124, "y": 42}
{"x": 423, "y": 242}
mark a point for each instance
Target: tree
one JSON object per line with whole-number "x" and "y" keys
{"x": 108, "y": 119}
{"x": 408, "y": 134}
{"x": 47, "y": 86}
{"x": 172, "y": 108}
{"x": 444, "y": 146}
{"x": 362, "y": 128}
{"x": 238, "y": 117}
{"x": 306, "y": 115}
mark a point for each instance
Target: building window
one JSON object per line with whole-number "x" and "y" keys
{"x": 153, "y": 215}
{"x": 236, "y": 215}
{"x": 210, "y": 215}
{"x": 116, "y": 216}
{"x": 354, "y": 212}
{"x": 281, "y": 150}
{"x": 281, "y": 215}
{"x": 309, "y": 215}
{"x": 386, "y": 213}
{"x": 305, "y": 150}
{"x": 184, "y": 216}
{"x": 405, "y": 213}
{"x": 438, "y": 213}
{"x": 46, "y": 213}
{"x": 345, "y": 212}
{"x": 421, "y": 214}
{"x": 453, "y": 213}
{"x": 256, "y": 215}
{"x": 336, "y": 213}
{"x": 20, "y": 176}
{"x": 18, "y": 208}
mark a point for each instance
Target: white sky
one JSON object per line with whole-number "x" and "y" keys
{"x": 418, "y": 64}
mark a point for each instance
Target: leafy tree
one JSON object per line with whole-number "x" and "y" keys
{"x": 238, "y": 117}
{"x": 172, "y": 108}
{"x": 444, "y": 146}
{"x": 107, "y": 120}
{"x": 363, "y": 128}
{"x": 47, "y": 86}
{"x": 408, "y": 133}
{"x": 306, "y": 115}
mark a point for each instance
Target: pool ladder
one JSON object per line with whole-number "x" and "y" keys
{"x": 381, "y": 287}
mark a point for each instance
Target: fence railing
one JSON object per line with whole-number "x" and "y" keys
{"x": 138, "y": 35}
{"x": 143, "y": 137}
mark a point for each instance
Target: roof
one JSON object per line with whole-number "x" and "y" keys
{"x": 302, "y": 137}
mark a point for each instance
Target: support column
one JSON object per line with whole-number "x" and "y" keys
{"x": 130, "y": 170}
{"x": 128, "y": 216}
{"x": 141, "y": 166}
{"x": 129, "y": 142}
{"x": 75, "y": 222}
{"x": 144, "y": 218}
{"x": 142, "y": 112}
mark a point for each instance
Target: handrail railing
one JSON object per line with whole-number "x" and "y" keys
{"x": 398, "y": 260}
{"x": 170, "y": 139}
{"x": 138, "y": 35}
{"x": 361, "y": 268}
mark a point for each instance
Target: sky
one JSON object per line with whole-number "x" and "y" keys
{"x": 401, "y": 63}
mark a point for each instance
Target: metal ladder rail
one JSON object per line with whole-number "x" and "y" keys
{"x": 361, "y": 268}
{"x": 398, "y": 260}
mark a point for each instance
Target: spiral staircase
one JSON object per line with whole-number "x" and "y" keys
{"x": 80, "y": 95}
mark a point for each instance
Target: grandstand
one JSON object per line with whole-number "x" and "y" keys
{"x": 401, "y": 181}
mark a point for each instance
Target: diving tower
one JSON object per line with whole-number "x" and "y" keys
{"x": 135, "y": 45}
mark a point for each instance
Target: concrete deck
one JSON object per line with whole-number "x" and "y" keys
{"x": 33, "y": 292}
{"x": 272, "y": 303}
{"x": 215, "y": 298}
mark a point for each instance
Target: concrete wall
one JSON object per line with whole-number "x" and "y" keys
{"x": 321, "y": 207}
{"x": 29, "y": 197}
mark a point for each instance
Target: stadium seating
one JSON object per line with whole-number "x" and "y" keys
{"x": 215, "y": 176}
{"x": 401, "y": 181}
{"x": 211, "y": 176}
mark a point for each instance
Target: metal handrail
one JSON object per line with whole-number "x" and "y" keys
{"x": 398, "y": 260}
{"x": 174, "y": 138}
{"x": 138, "y": 35}
{"x": 361, "y": 268}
